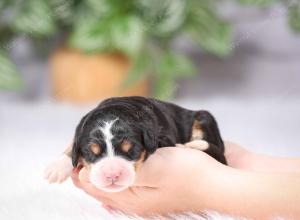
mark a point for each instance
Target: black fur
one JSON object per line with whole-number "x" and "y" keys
{"x": 147, "y": 123}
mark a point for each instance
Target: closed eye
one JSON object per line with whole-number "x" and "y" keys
{"x": 96, "y": 148}
{"x": 126, "y": 145}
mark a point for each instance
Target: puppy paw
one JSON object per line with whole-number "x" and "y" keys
{"x": 198, "y": 144}
{"x": 59, "y": 170}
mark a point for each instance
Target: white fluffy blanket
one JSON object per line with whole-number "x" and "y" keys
{"x": 24, "y": 195}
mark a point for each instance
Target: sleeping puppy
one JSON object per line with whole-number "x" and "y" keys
{"x": 115, "y": 138}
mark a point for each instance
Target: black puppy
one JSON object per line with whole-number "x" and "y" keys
{"x": 120, "y": 133}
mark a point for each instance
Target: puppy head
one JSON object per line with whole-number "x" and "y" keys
{"x": 112, "y": 147}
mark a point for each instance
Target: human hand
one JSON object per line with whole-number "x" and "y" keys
{"x": 171, "y": 180}
{"x": 181, "y": 180}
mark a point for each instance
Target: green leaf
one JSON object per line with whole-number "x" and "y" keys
{"x": 164, "y": 87}
{"x": 100, "y": 7}
{"x": 93, "y": 36}
{"x": 63, "y": 10}
{"x": 9, "y": 77}
{"x": 294, "y": 17}
{"x": 124, "y": 34}
{"x": 2, "y": 4}
{"x": 176, "y": 65}
{"x": 89, "y": 10}
{"x": 127, "y": 35}
{"x": 162, "y": 17}
{"x": 210, "y": 32}
{"x": 171, "y": 67}
{"x": 34, "y": 18}
{"x": 6, "y": 38}
{"x": 91, "y": 31}
{"x": 258, "y": 2}
{"x": 138, "y": 70}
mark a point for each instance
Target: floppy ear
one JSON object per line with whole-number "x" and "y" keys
{"x": 76, "y": 151}
{"x": 150, "y": 140}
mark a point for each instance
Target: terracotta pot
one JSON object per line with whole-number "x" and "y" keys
{"x": 80, "y": 77}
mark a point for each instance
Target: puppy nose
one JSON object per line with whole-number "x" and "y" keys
{"x": 112, "y": 176}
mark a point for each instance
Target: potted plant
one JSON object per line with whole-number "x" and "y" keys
{"x": 114, "y": 47}
{"x": 141, "y": 33}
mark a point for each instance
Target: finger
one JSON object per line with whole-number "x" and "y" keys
{"x": 98, "y": 194}
{"x": 77, "y": 169}
{"x": 88, "y": 188}
{"x": 154, "y": 168}
{"x": 84, "y": 175}
{"x": 109, "y": 208}
{"x": 75, "y": 179}
{"x": 80, "y": 178}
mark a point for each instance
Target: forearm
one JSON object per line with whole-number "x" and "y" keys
{"x": 241, "y": 158}
{"x": 253, "y": 195}
{"x": 273, "y": 164}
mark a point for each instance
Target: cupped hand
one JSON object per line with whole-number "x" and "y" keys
{"x": 177, "y": 179}
{"x": 171, "y": 180}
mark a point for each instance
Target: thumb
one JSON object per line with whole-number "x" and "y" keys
{"x": 84, "y": 175}
{"x": 151, "y": 171}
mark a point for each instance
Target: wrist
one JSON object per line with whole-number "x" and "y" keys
{"x": 238, "y": 157}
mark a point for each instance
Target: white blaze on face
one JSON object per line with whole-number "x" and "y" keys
{"x": 111, "y": 173}
{"x": 106, "y": 130}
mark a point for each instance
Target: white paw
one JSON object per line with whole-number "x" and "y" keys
{"x": 59, "y": 170}
{"x": 198, "y": 144}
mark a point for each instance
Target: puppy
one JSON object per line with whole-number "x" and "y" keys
{"x": 115, "y": 138}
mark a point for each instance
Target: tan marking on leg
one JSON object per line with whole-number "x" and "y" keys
{"x": 126, "y": 146}
{"x": 95, "y": 148}
{"x": 198, "y": 144}
{"x": 139, "y": 163}
{"x": 197, "y": 132}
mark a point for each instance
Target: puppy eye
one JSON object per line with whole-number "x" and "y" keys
{"x": 126, "y": 146}
{"x": 95, "y": 148}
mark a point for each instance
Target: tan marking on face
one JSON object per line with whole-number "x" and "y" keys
{"x": 140, "y": 161}
{"x": 126, "y": 146}
{"x": 95, "y": 148}
{"x": 197, "y": 132}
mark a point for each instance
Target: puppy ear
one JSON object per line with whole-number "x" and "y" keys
{"x": 76, "y": 151}
{"x": 150, "y": 140}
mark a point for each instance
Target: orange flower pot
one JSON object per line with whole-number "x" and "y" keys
{"x": 80, "y": 77}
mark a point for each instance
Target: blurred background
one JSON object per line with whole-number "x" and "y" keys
{"x": 239, "y": 59}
